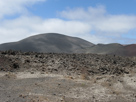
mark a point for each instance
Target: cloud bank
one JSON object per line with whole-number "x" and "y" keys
{"x": 11, "y": 7}
{"x": 101, "y": 21}
{"x": 94, "y": 24}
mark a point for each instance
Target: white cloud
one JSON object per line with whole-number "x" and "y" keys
{"x": 93, "y": 24}
{"x": 101, "y": 21}
{"x": 82, "y": 14}
{"x": 26, "y": 26}
{"x": 11, "y": 7}
{"x": 17, "y": 29}
{"x": 116, "y": 24}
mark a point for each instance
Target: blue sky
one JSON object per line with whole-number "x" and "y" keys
{"x": 113, "y": 6}
{"x": 98, "y": 21}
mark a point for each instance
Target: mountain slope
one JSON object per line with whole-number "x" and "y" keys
{"x": 114, "y": 49}
{"x": 50, "y": 42}
{"x": 58, "y": 43}
{"x": 131, "y": 50}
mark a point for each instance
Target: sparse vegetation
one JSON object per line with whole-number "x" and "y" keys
{"x": 80, "y": 64}
{"x": 10, "y": 75}
{"x": 78, "y": 77}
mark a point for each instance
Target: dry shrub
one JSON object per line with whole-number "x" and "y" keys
{"x": 116, "y": 92}
{"x": 106, "y": 84}
{"x": 37, "y": 99}
{"x": 69, "y": 77}
{"x": 84, "y": 77}
{"x": 10, "y": 76}
{"x": 112, "y": 90}
{"x": 84, "y": 74}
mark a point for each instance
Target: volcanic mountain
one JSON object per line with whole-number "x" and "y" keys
{"x": 50, "y": 42}
{"x": 58, "y": 43}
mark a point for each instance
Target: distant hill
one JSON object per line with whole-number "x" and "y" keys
{"x": 130, "y": 50}
{"x": 50, "y": 42}
{"x": 58, "y": 43}
{"x": 114, "y": 48}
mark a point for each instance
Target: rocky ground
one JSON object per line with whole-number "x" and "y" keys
{"x": 50, "y": 77}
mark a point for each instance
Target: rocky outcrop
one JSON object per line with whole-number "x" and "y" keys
{"x": 88, "y": 64}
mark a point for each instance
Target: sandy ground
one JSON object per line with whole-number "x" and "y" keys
{"x": 43, "y": 87}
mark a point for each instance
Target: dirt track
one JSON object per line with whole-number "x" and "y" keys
{"x": 37, "y": 87}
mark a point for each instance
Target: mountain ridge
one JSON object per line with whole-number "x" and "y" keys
{"x": 59, "y": 43}
{"x": 50, "y": 42}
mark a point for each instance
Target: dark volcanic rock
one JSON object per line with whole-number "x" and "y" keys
{"x": 88, "y": 64}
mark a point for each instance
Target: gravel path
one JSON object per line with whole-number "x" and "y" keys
{"x": 37, "y": 87}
